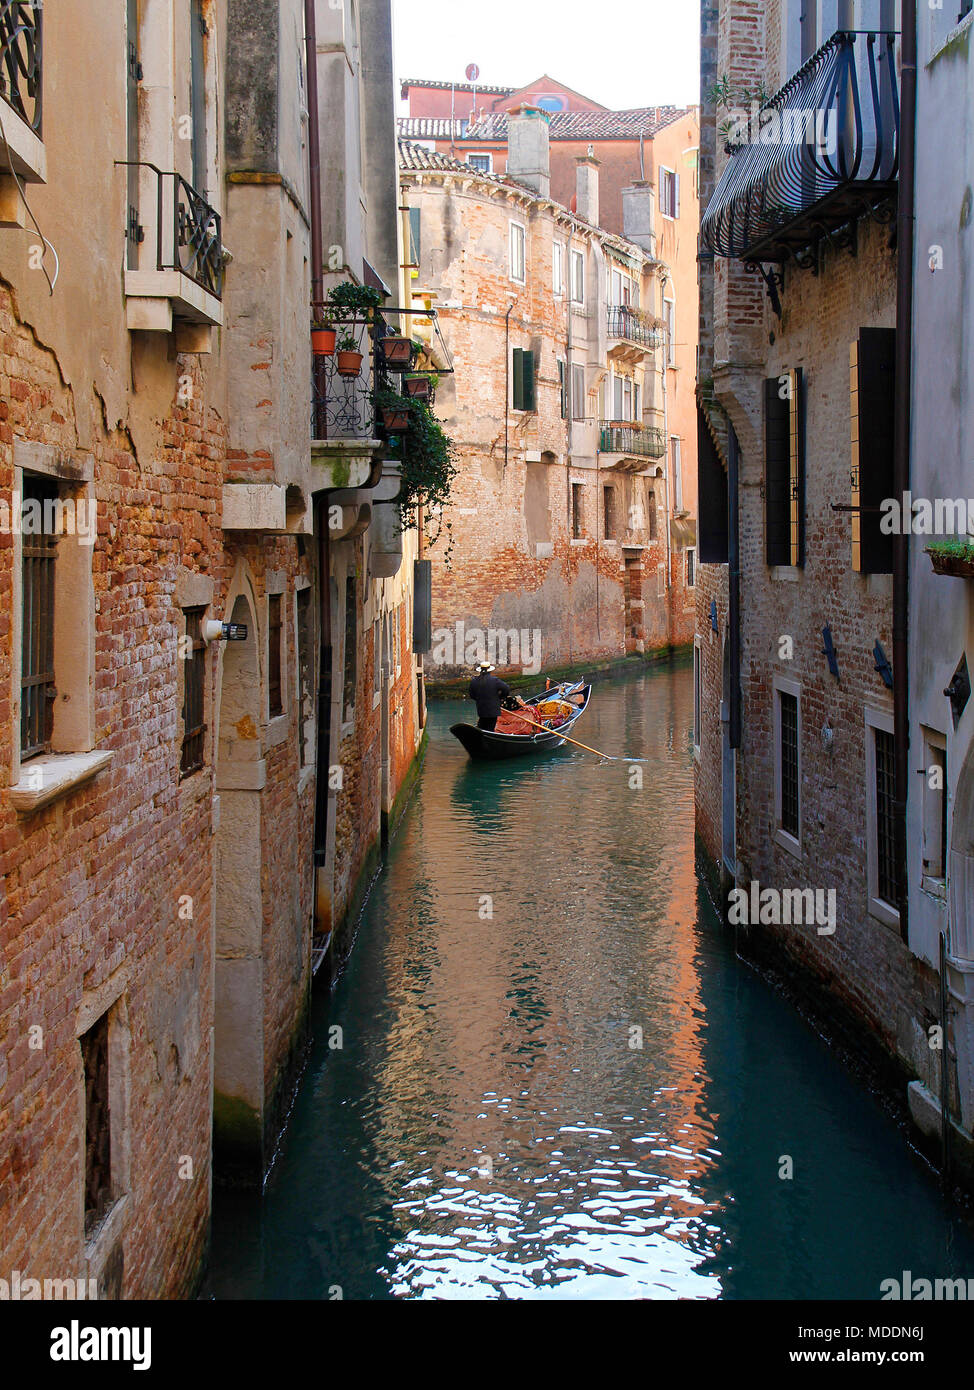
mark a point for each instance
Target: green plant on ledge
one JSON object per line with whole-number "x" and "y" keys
{"x": 347, "y": 301}
{"x": 426, "y": 456}
{"x": 959, "y": 547}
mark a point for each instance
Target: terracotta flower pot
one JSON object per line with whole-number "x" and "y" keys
{"x": 349, "y": 363}
{"x": 418, "y": 386}
{"x": 395, "y": 419}
{"x": 956, "y": 566}
{"x": 397, "y": 352}
{"x": 323, "y": 341}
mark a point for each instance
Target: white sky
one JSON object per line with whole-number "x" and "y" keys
{"x": 646, "y": 53}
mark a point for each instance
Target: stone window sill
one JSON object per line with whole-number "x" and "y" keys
{"x": 44, "y": 779}
{"x": 106, "y": 1234}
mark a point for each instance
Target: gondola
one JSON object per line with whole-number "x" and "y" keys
{"x": 485, "y": 746}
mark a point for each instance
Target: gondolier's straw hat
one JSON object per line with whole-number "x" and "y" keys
{"x": 484, "y": 666}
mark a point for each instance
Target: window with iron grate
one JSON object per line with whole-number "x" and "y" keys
{"x": 37, "y": 688}
{"x": 194, "y": 694}
{"x": 98, "y": 1140}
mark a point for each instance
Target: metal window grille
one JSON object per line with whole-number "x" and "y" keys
{"x": 691, "y": 568}
{"x": 37, "y": 689}
{"x": 98, "y": 1133}
{"x": 275, "y": 698}
{"x": 194, "y": 686}
{"x": 788, "y": 705}
{"x": 887, "y": 878}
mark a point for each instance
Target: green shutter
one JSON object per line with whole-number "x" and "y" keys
{"x": 872, "y": 403}
{"x": 518, "y": 377}
{"x": 530, "y": 397}
{"x": 784, "y": 471}
{"x": 414, "y": 242}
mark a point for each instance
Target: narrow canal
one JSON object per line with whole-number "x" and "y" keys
{"x": 557, "y": 1081}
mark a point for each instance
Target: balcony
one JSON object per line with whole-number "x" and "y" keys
{"x": 632, "y": 334}
{"x": 21, "y": 92}
{"x": 827, "y": 153}
{"x": 630, "y": 445}
{"x": 186, "y": 282}
{"x": 344, "y": 445}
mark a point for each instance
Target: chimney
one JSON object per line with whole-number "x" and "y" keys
{"x": 638, "y": 216}
{"x": 528, "y": 157}
{"x": 587, "y": 186}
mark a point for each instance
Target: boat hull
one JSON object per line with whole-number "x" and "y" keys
{"x": 484, "y": 746}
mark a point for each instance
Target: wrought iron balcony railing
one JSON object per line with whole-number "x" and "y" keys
{"x": 825, "y": 151}
{"x": 639, "y": 441}
{"x": 21, "y": 53}
{"x": 633, "y": 326}
{"x": 189, "y": 233}
{"x": 343, "y": 403}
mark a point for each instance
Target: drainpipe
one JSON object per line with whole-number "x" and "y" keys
{"x": 734, "y": 584}
{"x": 323, "y": 758}
{"x": 901, "y": 444}
{"x": 507, "y": 380}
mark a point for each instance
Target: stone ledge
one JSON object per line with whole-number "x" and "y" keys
{"x": 45, "y": 779}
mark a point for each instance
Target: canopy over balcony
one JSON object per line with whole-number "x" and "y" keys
{"x": 823, "y": 151}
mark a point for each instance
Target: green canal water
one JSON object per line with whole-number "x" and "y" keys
{"x": 555, "y": 1079}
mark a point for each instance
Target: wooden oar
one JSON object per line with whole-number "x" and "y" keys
{"x": 607, "y": 756}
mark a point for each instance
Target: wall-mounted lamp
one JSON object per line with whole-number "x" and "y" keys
{"x": 828, "y": 651}
{"x": 214, "y": 631}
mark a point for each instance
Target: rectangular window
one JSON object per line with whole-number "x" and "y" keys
{"x": 198, "y": 31}
{"x": 651, "y": 511}
{"x": 397, "y": 638}
{"x": 484, "y": 162}
{"x": 871, "y": 372}
{"x": 609, "y": 512}
{"x": 576, "y": 511}
{"x": 935, "y": 808}
{"x": 350, "y": 675}
{"x": 788, "y": 764}
{"x": 579, "y": 393}
{"x": 523, "y": 384}
{"x": 578, "y": 277}
{"x": 676, "y": 468}
{"x": 691, "y": 568}
{"x": 669, "y": 328}
{"x": 98, "y": 1134}
{"x": 275, "y": 694}
{"x": 627, "y": 399}
{"x": 887, "y": 882}
{"x": 784, "y": 479}
{"x": 37, "y": 688}
{"x": 306, "y": 683}
{"x": 194, "y": 692}
{"x": 517, "y": 252}
{"x": 563, "y": 389}
{"x": 669, "y": 193}
{"x": 617, "y": 398}
{"x": 558, "y": 269}
{"x": 376, "y": 657}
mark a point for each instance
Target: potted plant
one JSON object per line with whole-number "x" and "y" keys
{"x": 397, "y": 352}
{"x": 426, "y": 457}
{"x": 323, "y": 338}
{"x": 419, "y": 386}
{"x": 348, "y": 356}
{"x": 954, "y": 557}
{"x": 395, "y": 411}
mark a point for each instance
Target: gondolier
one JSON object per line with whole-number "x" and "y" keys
{"x": 488, "y": 691}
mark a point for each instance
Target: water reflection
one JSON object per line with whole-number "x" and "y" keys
{"x": 557, "y": 1081}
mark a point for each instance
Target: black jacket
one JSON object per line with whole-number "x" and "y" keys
{"x": 488, "y": 691}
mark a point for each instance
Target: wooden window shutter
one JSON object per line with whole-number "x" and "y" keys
{"x": 527, "y": 389}
{"x": 518, "y": 379}
{"x": 712, "y": 498}
{"x": 784, "y": 478}
{"x": 871, "y": 378}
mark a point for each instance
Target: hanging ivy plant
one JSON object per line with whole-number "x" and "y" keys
{"x": 427, "y": 458}
{"x": 347, "y": 301}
